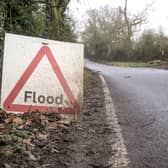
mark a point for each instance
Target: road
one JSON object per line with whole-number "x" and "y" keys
{"x": 140, "y": 97}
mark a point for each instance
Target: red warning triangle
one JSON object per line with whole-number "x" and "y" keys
{"x": 8, "y": 104}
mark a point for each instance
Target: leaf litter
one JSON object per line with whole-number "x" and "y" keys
{"x": 26, "y": 139}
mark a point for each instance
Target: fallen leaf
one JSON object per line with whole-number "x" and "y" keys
{"x": 64, "y": 122}
{"x": 9, "y": 119}
{"x": 6, "y": 165}
{"x": 28, "y": 143}
{"x": 28, "y": 123}
{"x": 20, "y": 127}
{"x": 2, "y": 126}
{"x": 44, "y": 122}
{"x": 55, "y": 151}
{"x": 46, "y": 165}
{"x": 62, "y": 126}
{"x": 18, "y": 121}
{"x": 42, "y": 136}
{"x": 31, "y": 156}
{"x": 52, "y": 125}
{"x": 8, "y": 153}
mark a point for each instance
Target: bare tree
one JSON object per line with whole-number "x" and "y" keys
{"x": 134, "y": 21}
{"x": 105, "y": 33}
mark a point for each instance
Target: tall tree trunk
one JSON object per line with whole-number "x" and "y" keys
{"x": 129, "y": 29}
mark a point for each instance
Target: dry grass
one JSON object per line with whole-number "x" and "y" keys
{"x": 87, "y": 79}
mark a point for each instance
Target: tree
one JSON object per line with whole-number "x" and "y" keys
{"x": 110, "y": 32}
{"x": 19, "y": 16}
{"x": 61, "y": 25}
{"x": 105, "y": 33}
{"x": 134, "y": 21}
{"x": 163, "y": 44}
{"x": 152, "y": 45}
{"x": 35, "y": 17}
{"x": 28, "y": 17}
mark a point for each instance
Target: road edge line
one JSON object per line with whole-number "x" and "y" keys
{"x": 120, "y": 157}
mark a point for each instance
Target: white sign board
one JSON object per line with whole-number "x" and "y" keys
{"x": 41, "y": 75}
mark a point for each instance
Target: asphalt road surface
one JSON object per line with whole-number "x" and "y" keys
{"x": 140, "y": 97}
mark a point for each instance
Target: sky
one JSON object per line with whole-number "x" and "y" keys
{"x": 157, "y": 16}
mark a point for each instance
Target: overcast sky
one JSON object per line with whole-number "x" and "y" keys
{"x": 158, "y": 15}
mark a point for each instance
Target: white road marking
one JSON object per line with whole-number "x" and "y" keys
{"x": 119, "y": 158}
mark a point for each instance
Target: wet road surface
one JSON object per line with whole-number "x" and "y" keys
{"x": 140, "y": 97}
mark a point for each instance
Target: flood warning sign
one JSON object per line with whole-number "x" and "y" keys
{"x": 44, "y": 78}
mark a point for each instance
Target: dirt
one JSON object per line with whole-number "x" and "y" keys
{"x": 91, "y": 149}
{"x": 49, "y": 141}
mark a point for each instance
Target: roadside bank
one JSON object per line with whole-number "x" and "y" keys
{"x": 47, "y": 140}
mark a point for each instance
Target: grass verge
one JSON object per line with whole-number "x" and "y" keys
{"x": 152, "y": 64}
{"x": 130, "y": 64}
{"x": 87, "y": 79}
